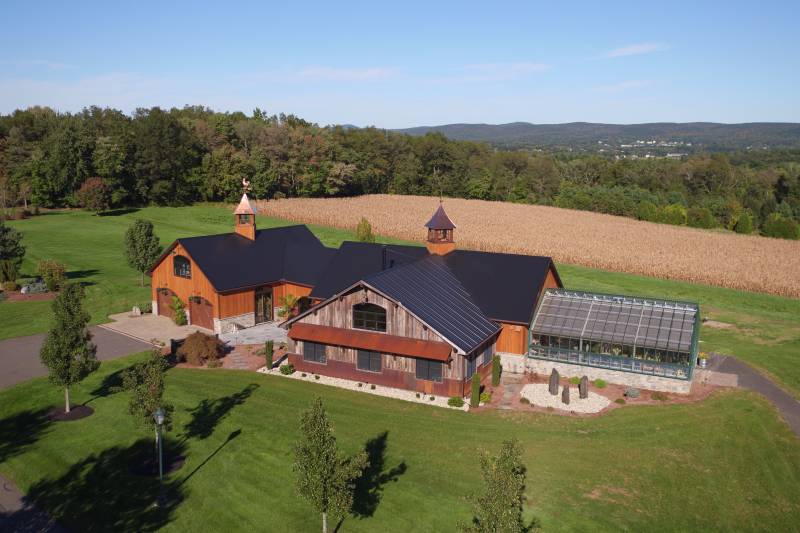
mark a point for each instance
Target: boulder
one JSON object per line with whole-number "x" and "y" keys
{"x": 565, "y": 395}
{"x": 136, "y": 311}
{"x": 632, "y": 392}
{"x": 554, "y": 377}
{"x": 583, "y": 388}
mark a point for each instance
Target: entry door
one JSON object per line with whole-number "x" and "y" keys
{"x": 263, "y": 305}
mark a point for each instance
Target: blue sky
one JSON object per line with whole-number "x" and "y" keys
{"x": 411, "y": 63}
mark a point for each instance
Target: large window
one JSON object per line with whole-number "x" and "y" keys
{"x": 429, "y": 370}
{"x": 182, "y": 267}
{"x": 369, "y": 316}
{"x": 487, "y": 355}
{"x": 471, "y": 364}
{"x": 314, "y": 352}
{"x": 369, "y": 361}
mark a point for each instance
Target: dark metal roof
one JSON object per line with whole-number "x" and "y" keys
{"x": 641, "y": 322}
{"x": 440, "y": 220}
{"x": 356, "y": 260}
{"x": 231, "y": 261}
{"x": 370, "y": 340}
{"x": 505, "y": 286}
{"x": 429, "y": 290}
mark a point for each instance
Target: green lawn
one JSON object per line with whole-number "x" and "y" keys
{"x": 727, "y": 463}
{"x": 765, "y": 329}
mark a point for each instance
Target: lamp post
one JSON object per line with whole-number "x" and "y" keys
{"x": 158, "y": 416}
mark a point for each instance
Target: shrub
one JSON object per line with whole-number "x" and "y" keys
{"x": 744, "y": 225}
{"x": 364, "y": 231}
{"x": 524, "y": 400}
{"x": 316, "y": 376}
{"x": 304, "y": 375}
{"x": 372, "y": 387}
{"x": 475, "y": 395}
{"x": 647, "y": 211}
{"x": 700, "y": 217}
{"x": 52, "y": 272}
{"x": 432, "y": 398}
{"x": 674, "y": 214}
{"x": 10, "y": 286}
{"x": 486, "y": 397}
{"x": 199, "y": 348}
{"x": 455, "y": 401}
{"x": 660, "y": 396}
{"x": 575, "y": 381}
{"x": 214, "y": 363}
{"x": 361, "y": 385}
{"x": 94, "y": 195}
{"x": 417, "y": 395}
{"x": 497, "y": 370}
{"x": 620, "y": 401}
{"x": 146, "y": 307}
{"x": 269, "y": 350}
{"x": 600, "y": 383}
{"x": 287, "y": 369}
{"x": 178, "y": 312}
{"x": 632, "y": 392}
{"x": 780, "y": 227}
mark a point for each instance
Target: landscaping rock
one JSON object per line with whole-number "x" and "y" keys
{"x": 565, "y": 395}
{"x": 554, "y": 378}
{"x": 583, "y": 388}
{"x": 136, "y": 311}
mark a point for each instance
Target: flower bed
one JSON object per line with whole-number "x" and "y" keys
{"x": 539, "y": 395}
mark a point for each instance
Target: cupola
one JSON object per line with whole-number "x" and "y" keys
{"x": 245, "y": 215}
{"x": 440, "y": 233}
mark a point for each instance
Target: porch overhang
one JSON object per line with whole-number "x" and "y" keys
{"x": 370, "y": 340}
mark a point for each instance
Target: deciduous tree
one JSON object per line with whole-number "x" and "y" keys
{"x": 11, "y": 252}
{"x": 142, "y": 246}
{"x": 94, "y": 195}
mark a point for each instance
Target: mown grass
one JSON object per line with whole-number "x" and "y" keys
{"x": 765, "y": 329}
{"x": 727, "y": 463}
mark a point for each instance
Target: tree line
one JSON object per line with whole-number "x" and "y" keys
{"x": 102, "y": 158}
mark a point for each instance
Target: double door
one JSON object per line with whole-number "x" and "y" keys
{"x": 264, "y": 305}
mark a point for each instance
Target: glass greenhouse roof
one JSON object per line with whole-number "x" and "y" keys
{"x": 640, "y": 322}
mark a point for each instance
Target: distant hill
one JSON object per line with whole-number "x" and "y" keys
{"x": 687, "y": 136}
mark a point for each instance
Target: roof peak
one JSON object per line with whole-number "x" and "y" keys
{"x": 440, "y": 220}
{"x": 245, "y": 207}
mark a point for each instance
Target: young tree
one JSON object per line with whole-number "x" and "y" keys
{"x": 94, "y": 195}
{"x": 499, "y": 508}
{"x": 142, "y": 246}
{"x": 11, "y": 252}
{"x": 68, "y": 352}
{"x": 364, "y": 231}
{"x": 145, "y": 383}
{"x": 288, "y": 305}
{"x": 324, "y": 477}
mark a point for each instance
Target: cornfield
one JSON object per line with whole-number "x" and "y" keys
{"x": 590, "y": 239}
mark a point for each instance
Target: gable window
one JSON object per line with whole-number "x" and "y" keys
{"x": 314, "y": 352}
{"x": 429, "y": 370}
{"x": 369, "y": 361}
{"x": 182, "y": 267}
{"x": 472, "y": 362}
{"x": 369, "y": 316}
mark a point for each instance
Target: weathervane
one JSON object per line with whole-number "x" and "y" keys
{"x": 245, "y": 185}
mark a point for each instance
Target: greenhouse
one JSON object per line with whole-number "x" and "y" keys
{"x": 640, "y": 335}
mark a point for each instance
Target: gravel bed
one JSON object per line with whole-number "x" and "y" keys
{"x": 539, "y": 395}
{"x": 379, "y": 390}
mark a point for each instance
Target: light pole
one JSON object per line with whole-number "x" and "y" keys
{"x": 158, "y": 416}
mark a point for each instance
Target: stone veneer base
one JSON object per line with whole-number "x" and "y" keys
{"x": 229, "y": 323}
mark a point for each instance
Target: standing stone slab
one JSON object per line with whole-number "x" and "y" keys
{"x": 554, "y": 377}
{"x": 565, "y": 395}
{"x": 583, "y": 388}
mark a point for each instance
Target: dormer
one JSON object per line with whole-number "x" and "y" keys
{"x": 245, "y": 218}
{"x": 440, "y": 233}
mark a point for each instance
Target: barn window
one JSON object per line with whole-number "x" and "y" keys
{"x": 369, "y": 361}
{"x": 369, "y": 316}
{"x": 182, "y": 267}
{"x": 487, "y": 355}
{"x": 429, "y": 370}
{"x": 314, "y": 352}
{"x": 471, "y": 364}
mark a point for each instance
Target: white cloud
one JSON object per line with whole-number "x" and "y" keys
{"x": 621, "y": 86}
{"x": 635, "y": 50}
{"x": 347, "y": 74}
{"x": 491, "y": 72}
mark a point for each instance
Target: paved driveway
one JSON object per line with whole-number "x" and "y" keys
{"x": 19, "y": 357}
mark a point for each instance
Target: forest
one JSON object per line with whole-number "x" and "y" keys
{"x": 102, "y": 159}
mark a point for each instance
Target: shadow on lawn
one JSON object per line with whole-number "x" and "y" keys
{"x": 231, "y": 436}
{"x": 209, "y": 413}
{"x": 20, "y": 430}
{"x": 118, "y": 212}
{"x": 98, "y": 493}
{"x": 369, "y": 487}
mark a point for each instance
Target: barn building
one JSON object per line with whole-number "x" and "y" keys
{"x": 420, "y": 318}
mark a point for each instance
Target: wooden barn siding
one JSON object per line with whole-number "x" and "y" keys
{"x": 281, "y": 290}
{"x": 514, "y": 337}
{"x": 163, "y": 276}
{"x": 237, "y": 303}
{"x": 339, "y": 313}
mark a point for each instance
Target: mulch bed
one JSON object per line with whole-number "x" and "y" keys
{"x": 16, "y": 296}
{"x": 75, "y": 413}
{"x": 148, "y": 466}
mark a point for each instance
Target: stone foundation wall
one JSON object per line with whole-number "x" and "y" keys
{"x": 226, "y": 325}
{"x": 518, "y": 364}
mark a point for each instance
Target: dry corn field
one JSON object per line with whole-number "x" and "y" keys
{"x": 577, "y": 237}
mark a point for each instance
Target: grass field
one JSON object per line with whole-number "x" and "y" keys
{"x": 764, "y": 330}
{"x": 726, "y": 463}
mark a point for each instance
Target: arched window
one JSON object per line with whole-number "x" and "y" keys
{"x": 182, "y": 267}
{"x": 369, "y": 316}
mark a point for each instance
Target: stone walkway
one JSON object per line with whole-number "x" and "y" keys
{"x": 751, "y": 379}
{"x": 258, "y": 334}
{"x": 148, "y": 327}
